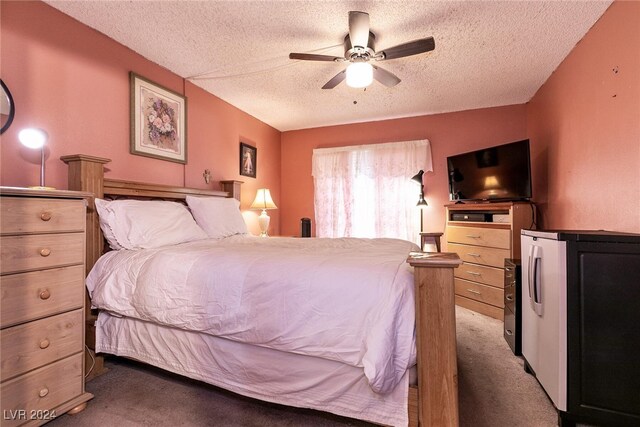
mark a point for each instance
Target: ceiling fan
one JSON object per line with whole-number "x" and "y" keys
{"x": 359, "y": 51}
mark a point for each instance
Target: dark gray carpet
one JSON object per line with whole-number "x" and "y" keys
{"x": 494, "y": 391}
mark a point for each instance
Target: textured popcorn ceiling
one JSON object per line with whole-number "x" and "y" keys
{"x": 487, "y": 53}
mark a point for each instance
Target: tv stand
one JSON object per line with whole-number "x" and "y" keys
{"x": 484, "y": 235}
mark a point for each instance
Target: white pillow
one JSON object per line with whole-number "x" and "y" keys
{"x": 105, "y": 216}
{"x": 218, "y": 216}
{"x": 138, "y": 224}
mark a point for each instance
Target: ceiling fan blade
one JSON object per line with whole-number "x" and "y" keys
{"x": 312, "y": 57}
{"x": 359, "y": 29}
{"x": 336, "y": 80}
{"x": 407, "y": 49}
{"x": 385, "y": 77}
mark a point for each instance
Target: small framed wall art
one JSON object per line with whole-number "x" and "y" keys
{"x": 248, "y": 160}
{"x": 158, "y": 121}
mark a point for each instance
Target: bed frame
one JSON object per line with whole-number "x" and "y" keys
{"x": 433, "y": 403}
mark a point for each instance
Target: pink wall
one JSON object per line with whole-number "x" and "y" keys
{"x": 217, "y": 127}
{"x": 449, "y": 133}
{"x": 584, "y": 125}
{"x": 73, "y": 82}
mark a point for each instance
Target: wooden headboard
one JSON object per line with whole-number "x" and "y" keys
{"x": 86, "y": 173}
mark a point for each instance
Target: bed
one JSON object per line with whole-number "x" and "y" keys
{"x": 254, "y": 356}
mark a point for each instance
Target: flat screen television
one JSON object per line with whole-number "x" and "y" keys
{"x": 497, "y": 173}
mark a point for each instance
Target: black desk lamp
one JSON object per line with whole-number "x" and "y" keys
{"x": 421, "y": 201}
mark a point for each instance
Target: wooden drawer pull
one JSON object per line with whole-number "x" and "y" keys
{"x": 45, "y": 216}
{"x": 474, "y": 291}
{"x": 43, "y": 392}
{"x": 45, "y": 294}
{"x": 44, "y": 343}
{"x": 474, "y": 255}
{"x": 473, "y": 236}
{"x": 45, "y": 252}
{"x": 473, "y": 273}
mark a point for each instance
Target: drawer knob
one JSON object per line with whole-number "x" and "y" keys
{"x": 44, "y": 343}
{"x": 43, "y": 392}
{"x": 45, "y": 216}
{"x": 45, "y": 252}
{"x": 474, "y": 291}
{"x": 509, "y": 297}
{"x": 473, "y": 255}
{"x": 45, "y": 294}
{"x": 473, "y": 236}
{"x": 473, "y": 273}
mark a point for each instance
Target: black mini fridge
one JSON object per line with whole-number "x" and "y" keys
{"x": 581, "y": 322}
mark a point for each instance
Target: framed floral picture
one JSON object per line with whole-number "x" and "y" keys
{"x": 248, "y": 160}
{"x": 158, "y": 121}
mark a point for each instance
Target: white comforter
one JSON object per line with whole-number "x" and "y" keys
{"x": 349, "y": 300}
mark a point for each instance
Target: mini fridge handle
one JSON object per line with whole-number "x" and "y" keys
{"x": 535, "y": 277}
{"x": 530, "y": 274}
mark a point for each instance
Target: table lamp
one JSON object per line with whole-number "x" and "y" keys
{"x": 263, "y": 201}
{"x": 34, "y": 138}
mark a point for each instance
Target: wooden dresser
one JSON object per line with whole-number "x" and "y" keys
{"x": 483, "y": 235}
{"x": 42, "y": 271}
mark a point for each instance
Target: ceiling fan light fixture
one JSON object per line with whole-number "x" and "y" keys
{"x": 359, "y": 74}
{"x": 359, "y": 49}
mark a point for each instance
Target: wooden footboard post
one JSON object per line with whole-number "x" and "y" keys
{"x": 436, "y": 338}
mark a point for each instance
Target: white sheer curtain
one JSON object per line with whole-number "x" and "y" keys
{"x": 366, "y": 190}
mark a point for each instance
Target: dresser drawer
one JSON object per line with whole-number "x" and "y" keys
{"x": 480, "y": 273}
{"x": 29, "y": 296}
{"x": 480, "y": 307}
{"x": 510, "y": 297}
{"x": 34, "y": 344}
{"x": 479, "y": 255}
{"x": 43, "y": 389}
{"x": 492, "y": 237}
{"x": 41, "y": 215}
{"x": 479, "y": 292}
{"x": 35, "y": 252}
{"x": 510, "y": 329}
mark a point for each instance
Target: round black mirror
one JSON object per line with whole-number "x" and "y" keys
{"x": 7, "y": 107}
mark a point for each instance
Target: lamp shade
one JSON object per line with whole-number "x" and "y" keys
{"x": 359, "y": 74}
{"x": 263, "y": 200}
{"x": 32, "y": 138}
{"x": 418, "y": 177}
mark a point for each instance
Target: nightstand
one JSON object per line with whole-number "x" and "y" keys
{"x": 430, "y": 238}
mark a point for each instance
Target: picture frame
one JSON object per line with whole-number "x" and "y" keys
{"x": 158, "y": 121}
{"x": 248, "y": 160}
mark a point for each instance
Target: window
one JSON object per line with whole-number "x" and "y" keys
{"x": 366, "y": 190}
